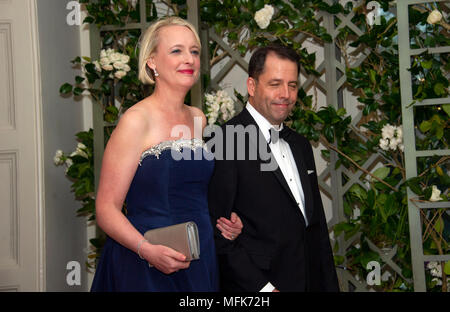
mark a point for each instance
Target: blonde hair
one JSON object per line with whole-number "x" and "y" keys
{"x": 149, "y": 43}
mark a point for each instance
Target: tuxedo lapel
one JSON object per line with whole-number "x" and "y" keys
{"x": 247, "y": 119}
{"x": 298, "y": 152}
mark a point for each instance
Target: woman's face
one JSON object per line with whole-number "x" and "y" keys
{"x": 177, "y": 57}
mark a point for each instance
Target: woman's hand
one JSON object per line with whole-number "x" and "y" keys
{"x": 230, "y": 229}
{"x": 163, "y": 258}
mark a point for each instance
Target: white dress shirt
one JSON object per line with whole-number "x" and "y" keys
{"x": 285, "y": 160}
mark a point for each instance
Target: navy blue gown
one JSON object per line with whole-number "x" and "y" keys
{"x": 170, "y": 187}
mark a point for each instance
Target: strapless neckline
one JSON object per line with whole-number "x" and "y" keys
{"x": 177, "y": 145}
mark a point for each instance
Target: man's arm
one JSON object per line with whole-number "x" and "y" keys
{"x": 328, "y": 271}
{"x": 235, "y": 263}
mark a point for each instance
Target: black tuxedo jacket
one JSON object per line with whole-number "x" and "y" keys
{"x": 275, "y": 244}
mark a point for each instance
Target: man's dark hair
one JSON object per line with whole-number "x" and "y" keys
{"x": 258, "y": 59}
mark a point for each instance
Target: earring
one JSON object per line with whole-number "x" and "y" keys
{"x": 155, "y": 72}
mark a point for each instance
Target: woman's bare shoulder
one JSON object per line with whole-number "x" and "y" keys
{"x": 197, "y": 112}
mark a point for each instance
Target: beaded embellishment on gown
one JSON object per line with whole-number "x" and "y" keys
{"x": 170, "y": 186}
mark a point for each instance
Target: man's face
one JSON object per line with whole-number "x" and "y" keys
{"x": 274, "y": 93}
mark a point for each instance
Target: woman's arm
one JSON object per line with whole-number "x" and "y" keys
{"x": 120, "y": 161}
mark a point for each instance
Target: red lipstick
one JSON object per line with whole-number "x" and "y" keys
{"x": 187, "y": 71}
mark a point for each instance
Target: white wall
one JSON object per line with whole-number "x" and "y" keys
{"x": 62, "y": 118}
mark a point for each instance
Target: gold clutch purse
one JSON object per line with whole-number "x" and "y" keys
{"x": 181, "y": 237}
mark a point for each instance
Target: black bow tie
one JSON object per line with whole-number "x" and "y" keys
{"x": 283, "y": 134}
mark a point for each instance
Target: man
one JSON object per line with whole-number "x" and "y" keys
{"x": 284, "y": 244}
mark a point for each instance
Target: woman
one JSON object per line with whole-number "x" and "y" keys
{"x": 139, "y": 168}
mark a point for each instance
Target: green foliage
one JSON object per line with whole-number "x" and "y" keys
{"x": 375, "y": 205}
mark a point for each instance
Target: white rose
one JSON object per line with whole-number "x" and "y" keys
{"x": 103, "y": 53}
{"x": 126, "y": 68}
{"x": 124, "y": 58}
{"x": 384, "y": 144}
{"x": 388, "y": 131}
{"x": 120, "y": 74}
{"x": 264, "y": 16}
{"x": 97, "y": 66}
{"x": 434, "y": 17}
{"x": 108, "y": 67}
{"x": 116, "y": 57}
{"x": 393, "y": 144}
{"x": 435, "y": 194}
{"x": 104, "y": 61}
{"x": 118, "y": 65}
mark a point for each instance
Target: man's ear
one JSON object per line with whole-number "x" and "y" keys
{"x": 251, "y": 86}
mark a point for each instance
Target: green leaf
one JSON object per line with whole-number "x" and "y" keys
{"x": 439, "y": 225}
{"x": 414, "y": 185}
{"x": 78, "y": 91}
{"x": 439, "y": 89}
{"x": 65, "y": 88}
{"x": 382, "y": 172}
{"x": 447, "y": 267}
{"x": 341, "y": 112}
{"x": 446, "y": 108}
{"x": 427, "y": 64}
{"x": 425, "y": 126}
{"x": 79, "y": 79}
{"x": 373, "y": 76}
{"x": 358, "y": 191}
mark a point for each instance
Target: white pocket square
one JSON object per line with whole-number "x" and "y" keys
{"x": 310, "y": 171}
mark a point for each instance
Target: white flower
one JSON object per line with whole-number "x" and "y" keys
{"x": 388, "y": 131}
{"x": 97, "y": 66}
{"x": 80, "y": 151}
{"x": 103, "y": 53}
{"x": 124, "y": 58}
{"x": 108, "y": 67}
{"x": 435, "y": 194}
{"x": 126, "y": 68}
{"x": 263, "y": 16}
{"x": 211, "y": 120}
{"x": 384, "y": 144}
{"x": 58, "y": 157}
{"x": 392, "y": 138}
{"x": 219, "y": 107}
{"x": 104, "y": 61}
{"x": 69, "y": 162}
{"x": 119, "y": 65}
{"x": 215, "y": 107}
{"x": 120, "y": 74}
{"x": 115, "y": 57}
{"x": 434, "y": 17}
